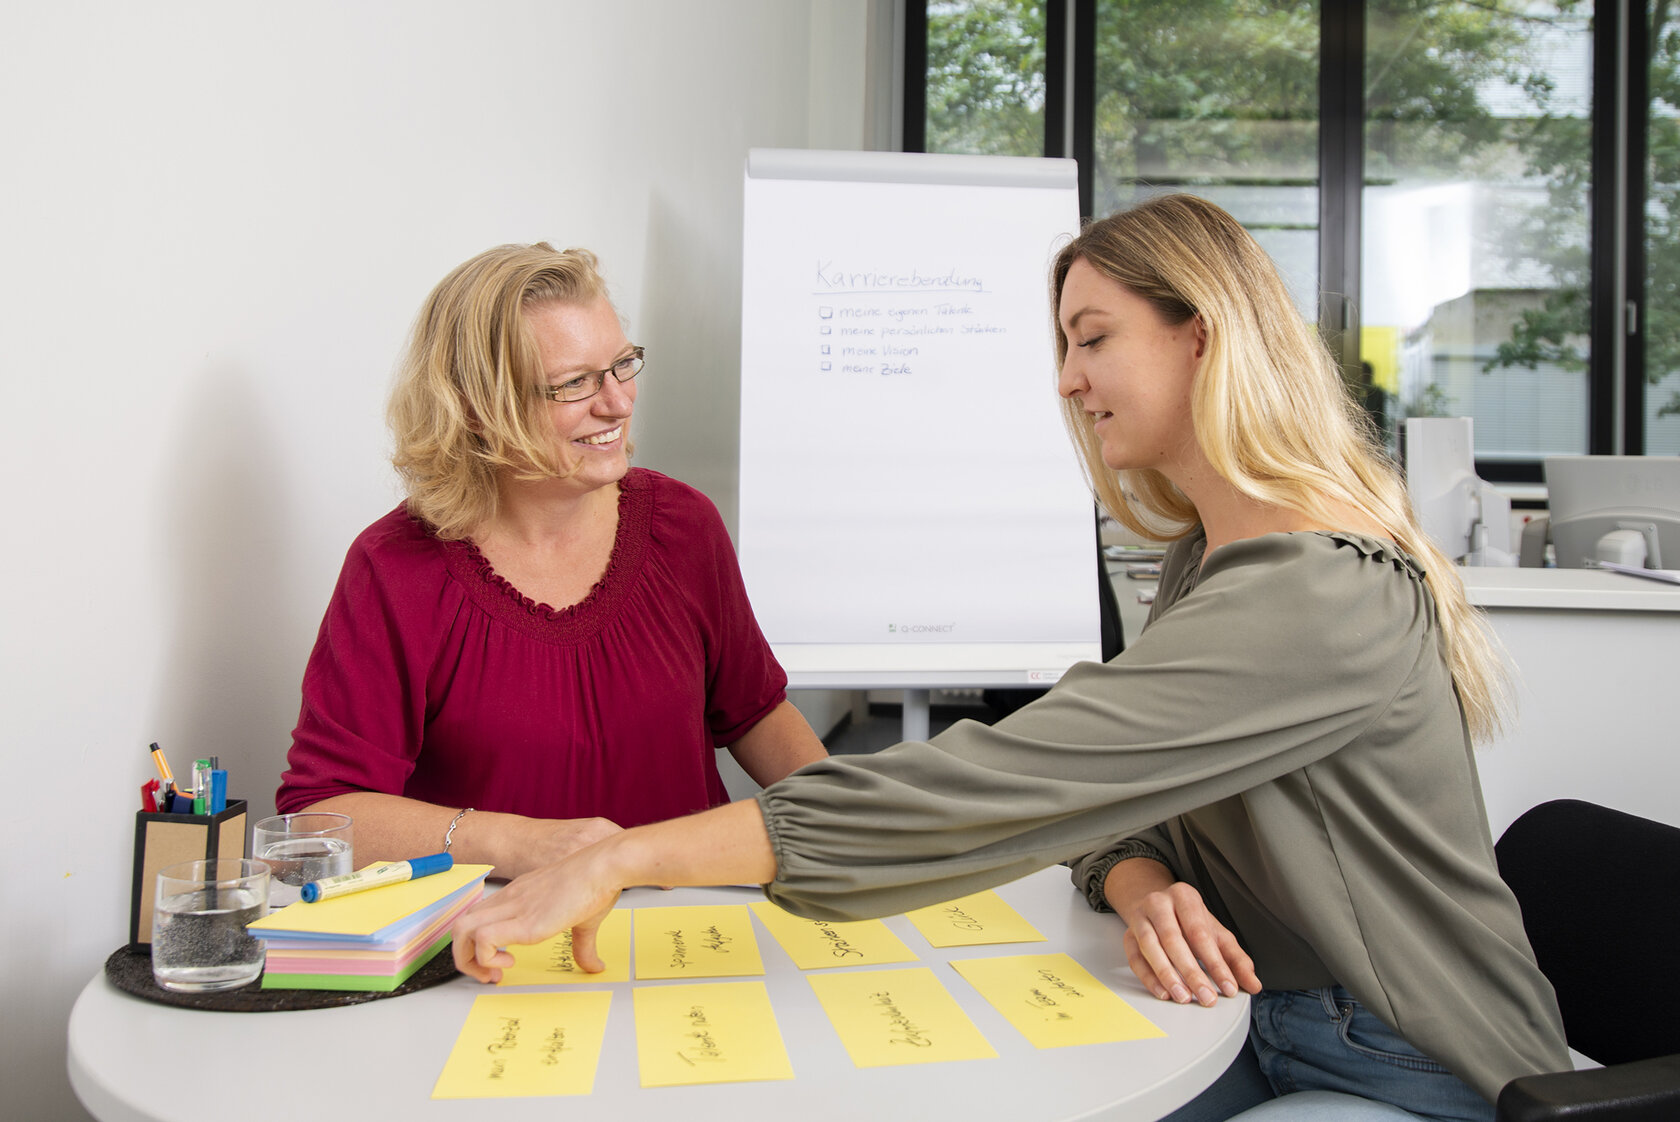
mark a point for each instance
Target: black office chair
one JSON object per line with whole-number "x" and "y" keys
{"x": 1600, "y": 896}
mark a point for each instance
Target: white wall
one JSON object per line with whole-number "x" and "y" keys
{"x": 217, "y": 220}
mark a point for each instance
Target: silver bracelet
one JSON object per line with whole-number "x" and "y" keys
{"x": 449, "y": 834}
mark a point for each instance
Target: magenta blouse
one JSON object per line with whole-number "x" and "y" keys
{"x": 432, "y": 677}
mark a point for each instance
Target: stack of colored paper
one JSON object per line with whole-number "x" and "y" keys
{"x": 369, "y": 940}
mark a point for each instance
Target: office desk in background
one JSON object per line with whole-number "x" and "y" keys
{"x": 1596, "y": 673}
{"x": 132, "y": 1060}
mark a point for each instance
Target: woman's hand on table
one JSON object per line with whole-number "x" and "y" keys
{"x": 575, "y": 893}
{"x": 725, "y": 845}
{"x": 1173, "y": 943}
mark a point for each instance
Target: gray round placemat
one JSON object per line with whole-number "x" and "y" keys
{"x": 131, "y": 971}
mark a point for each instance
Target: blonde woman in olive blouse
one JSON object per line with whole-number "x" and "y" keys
{"x": 1273, "y": 785}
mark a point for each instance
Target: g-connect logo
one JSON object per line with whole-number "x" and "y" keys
{"x": 920, "y": 628}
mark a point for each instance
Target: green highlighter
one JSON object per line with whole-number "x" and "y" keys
{"x": 201, "y": 786}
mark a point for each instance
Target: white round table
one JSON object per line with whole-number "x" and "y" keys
{"x": 133, "y": 1060}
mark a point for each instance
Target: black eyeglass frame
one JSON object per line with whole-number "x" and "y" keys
{"x": 634, "y": 361}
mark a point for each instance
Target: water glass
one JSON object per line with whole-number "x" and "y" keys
{"x": 300, "y": 848}
{"x": 199, "y": 941}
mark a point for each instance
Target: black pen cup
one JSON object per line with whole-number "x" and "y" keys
{"x": 161, "y": 840}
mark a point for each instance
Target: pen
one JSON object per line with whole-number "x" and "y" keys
{"x": 392, "y": 872}
{"x": 148, "y": 796}
{"x": 201, "y": 786}
{"x": 218, "y": 789}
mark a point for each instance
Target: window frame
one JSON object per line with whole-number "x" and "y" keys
{"x": 1616, "y": 288}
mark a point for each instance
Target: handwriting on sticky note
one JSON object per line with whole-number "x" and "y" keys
{"x": 720, "y": 1032}
{"x": 973, "y": 921}
{"x": 814, "y": 943}
{"x": 550, "y": 961}
{"x": 713, "y": 941}
{"x": 1054, "y": 1001}
{"x": 889, "y": 1017}
{"x": 526, "y": 1044}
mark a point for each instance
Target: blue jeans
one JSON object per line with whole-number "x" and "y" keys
{"x": 1319, "y": 1053}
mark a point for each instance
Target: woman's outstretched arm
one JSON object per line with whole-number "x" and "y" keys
{"x": 725, "y": 845}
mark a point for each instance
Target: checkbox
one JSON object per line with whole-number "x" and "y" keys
{"x": 825, "y": 330}
{"x": 825, "y": 348}
{"x": 825, "y": 313}
{"x": 827, "y": 366}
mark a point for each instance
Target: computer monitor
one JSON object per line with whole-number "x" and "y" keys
{"x": 1614, "y": 508}
{"x": 1469, "y": 520}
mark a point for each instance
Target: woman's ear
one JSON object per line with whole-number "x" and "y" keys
{"x": 1201, "y": 336}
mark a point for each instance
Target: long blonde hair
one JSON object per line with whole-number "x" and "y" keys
{"x": 1269, "y": 406}
{"x": 465, "y": 405}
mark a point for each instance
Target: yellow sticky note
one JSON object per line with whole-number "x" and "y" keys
{"x": 973, "y": 921}
{"x": 1054, "y": 1001}
{"x": 365, "y": 913}
{"x": 713, "y": 941}
{"x": 887, "y": 1017}
{"x": 815, "y": 943}
{"x": 550, "y": 961}
{"x": 522, "y": 1044}
{"x": 721, "y": 1032}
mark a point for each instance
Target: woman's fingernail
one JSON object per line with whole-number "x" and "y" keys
{"x": 1180, "y": 994}
{"x": 1229, "y": 989}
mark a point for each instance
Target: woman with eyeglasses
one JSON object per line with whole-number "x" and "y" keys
{"x": 1273, "y": 785}
{"x": 542, "y": 644}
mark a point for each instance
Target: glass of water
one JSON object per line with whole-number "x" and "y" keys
{"x": 299, "y": 848}
{"x": 199, "y": 941}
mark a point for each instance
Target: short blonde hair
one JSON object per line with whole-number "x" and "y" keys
{"x": 1270, "y": 409}
{"x": 465, "y": 406}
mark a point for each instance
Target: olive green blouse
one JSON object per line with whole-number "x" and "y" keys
{"x": 1286, "y": 733}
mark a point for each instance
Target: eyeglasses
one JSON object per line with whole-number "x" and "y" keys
{"x": 589, "y": 383}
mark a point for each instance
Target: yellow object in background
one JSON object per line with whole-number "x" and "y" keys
{"x": 1054, "y": 1001}
{"x": 973, "y": 921}
{"x": 515, "y": 1045}
{"x": 721, "y": 1032}
{"x": 550, "y": 961}
{"x": 1380, "y": 346}
{"x": 815, "y": 944}
{"x": 890, "y": 1017}
{"x": 714, "y": 941}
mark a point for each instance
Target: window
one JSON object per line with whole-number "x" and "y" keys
{"x": 1476, "y": 228}
{"x": 1656, "y": 265}
{"x": 1173, "y": 114}
{"x": 1439, "y": 181}
{"x": 985, "y": 77}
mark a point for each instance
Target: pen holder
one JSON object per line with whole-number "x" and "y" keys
{"x": 161, "y": 840}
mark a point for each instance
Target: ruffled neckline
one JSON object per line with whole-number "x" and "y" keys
{"x": 1377, "y": 549}
{"x": 493, "y": 592}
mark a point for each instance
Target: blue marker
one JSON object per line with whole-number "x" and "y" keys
{"x": 394, "y": 872}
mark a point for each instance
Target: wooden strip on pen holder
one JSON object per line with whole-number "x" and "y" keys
{"x": 161, "y": 840}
